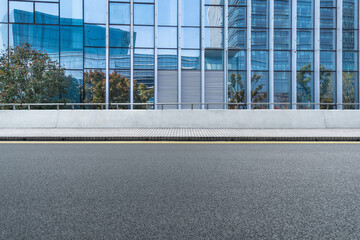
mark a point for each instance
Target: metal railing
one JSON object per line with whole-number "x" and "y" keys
{"x": 162, "y": 106}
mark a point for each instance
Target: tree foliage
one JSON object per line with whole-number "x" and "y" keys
{"x": 31, "y": 76}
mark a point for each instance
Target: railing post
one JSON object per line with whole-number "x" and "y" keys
{"x": 29, "y": 108}
{"x": 14, "y": 107}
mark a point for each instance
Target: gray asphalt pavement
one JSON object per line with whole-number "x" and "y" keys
{"x": 179, "y": 191}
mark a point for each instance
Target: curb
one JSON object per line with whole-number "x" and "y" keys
{"x": 190, "y": 139}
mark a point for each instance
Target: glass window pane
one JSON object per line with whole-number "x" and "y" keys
{"x": 282, "y": 39}
{"x": 214, "y": 2}
{"x": 327, "y": 3}
{"x": 237, "y": 38}
{"x": 21, "y": 12}
{"x": 167, "y": 37}
{"x": 305, "y": 61}
{"x": 327, "y": 61}
{"x": 3, "y": 37}
{"x": 95, "y": 11}
{"x": 119, "y": 58}
{"x": 259, "y": 87}
{"x": 3, "y": 10}
{"x": 237, "y": 2}
{"x": 236, "y": 88}
{"x": 95, "y": 35}
{"x": 282, "y": 14}
{"x": 214, "y": 60}
{"x": 305, "y": 88}
{"x": 144, "y": 14}
{"x": 144, "y": 59}
{"x": 190, "y": 11}
{"x": 350, "y": 39}
{"x": 119, "y": 13}
{"x": 120, "y": 87}
{"x": 167, "y": 59}
{"x": 327, "y": 18}
{"x": 327, "y": 87}
{"x": 282, "y": 61}
{"x": 259, "y": 13}
{"x": 47, "y": 13}
{"x": 282, "y": 86}
{"x": 71, "y": 45}
{"x": 237, "y": 16}
{"x": 259, "y": 60}
{"x": 74, "y": 92}
{"x": 305, "y": 40}
{"x": 350, "y": 60}
{"x": 305, "y": 13}
{"x": 120, "y": 36}
{"x": 350, "y": 89}
{"x": 71, "y": 12}
{"x": 167, "y": 12}
{"x": 237, "y": 60}
{"x": 350, "y": 14}
{"x": 259, "y": 39}
{"x": 190, "y": 59}
{"x": 214, "y": 38}
{"x": 144, "y": 79}
{"x": 143, "y": 37}
{"x": 95, "y": 58}
{"x": 214, "y": 16}
{"x": 94, "y": 81}
{"x": 190, "y": 37}
{"x": 327, "y": 39}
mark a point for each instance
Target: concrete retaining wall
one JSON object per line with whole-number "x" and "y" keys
{"x": 180, "y": 119}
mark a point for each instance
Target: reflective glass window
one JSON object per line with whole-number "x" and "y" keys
{"x": 167, "y": 59}
{"x": 3, "y": 11}
{"x": 167, "y": 12}
{"x": 214, "y": 16}
{"x": 190, "y": 11}
{"x": 327, "y": 39}
{"x": 167, "y": 37}
{"x": 119, "y": 13}
{"x": 350, "y": 89}
{"x": 327, "y": 87}
{"x": 259, "y": 87}
{"x": 190, "y": 59}
{"x": 214, "y": 2}
{"x": 3, "y": 37}
{"x": 74, "y": 93}
{"x": 144, "y": 14}
{"x": 305, "y": 61}
{"x": 214, "y": 60}
{"x": 21, "y": 12}
{"x": 282, "y": 61}
{"x": 304, "y": 88}
{"x": 236, "y": 88}
{"x": 47, "y": 13}
{"x": 95, "y": 11}
{"x": 259, "y": 13}
{"x": 71, "y": 12}
{"x": 237, "y": 38}
{"x": 259, "y": 39}
{"x": 144, "y": 58}
{"x": 350, "y": 14}
{"x": 305, "y": 40}
{"x": 237, "y": 2}
{"x": 259, "y": 60}
{"x": 95, "y": 35}
{"x": 237, "y": 60}
{"x": 305, "y": 13}
{"x": 120, "y": 36}
{"x": 95, "y": 58}
{"x": 143, "y": 36}
{"x": 327, "y": 18}
{"x": 94, "y": 77}
{"x": 144, "y": 78}
{"x": 350, "y": 39}
{"x": 282, "y": 14}
{"x": 327, "y": 61}
{"x": 350, "y": 61}
{"x": 327, "y": 3}
{"x": 282, "y": 39}
{"x": 190, "y": 37}
{"x": 282, "y": 89}
{"x": 71, "y": 45}
{"x": 237, "y": 16}
{"x": 214, "y": 37}
{"x": 120, "y": 58}
{"x": 144, "y": 1}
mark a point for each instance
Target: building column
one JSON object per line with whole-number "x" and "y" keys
{"x": 156, "y": 53}
{"x": 226, "y": 51}
{"x": 339, "y": 54}
{"x": 293, "y": 53}
{"x": 317, "y": 54}
{"x": 131, "y": 53}
{"x": 203, "y": 53}
{"x": 179, "y": 55}
{"x": 107, "y": 84}
{"x": 271, "y": 54}
{"x": 248, "y": 54}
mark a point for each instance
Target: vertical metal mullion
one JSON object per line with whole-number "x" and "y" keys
{"x": 156, "y": 53}
{"x": 131, "y": 54}
{"x": 203, "y": 53}
{"x": 83, "y": 47}
{"x": 339, "y": 53}
{"x": 293, "y": 53}
{"x": 226, "y": 50}
{"x": 358, "y": 52}
{"x": 179, "y": 54}
{"x": 248, "y": 55}
{"x": 271, "y": 54}
{"x": 107, "y": 84}
{"x": 317, "y": 53}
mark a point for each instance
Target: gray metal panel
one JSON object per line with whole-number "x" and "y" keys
{"x": 317, "y": 54}
{"x": 167, "y": 88}
{"x": 293, "y": 52}
{"x": 248, "y": 55}
{"x": 214, "y": 88}
{"x": 339, "y": 53}
{"x": 191, "y": 87}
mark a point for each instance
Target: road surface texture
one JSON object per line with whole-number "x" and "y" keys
{"x": 179, "y": 191}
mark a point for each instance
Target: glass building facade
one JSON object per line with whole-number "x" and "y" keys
{"x": 289, "y": 53}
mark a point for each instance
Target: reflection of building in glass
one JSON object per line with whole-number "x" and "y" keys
{"x": 200, "y": 64}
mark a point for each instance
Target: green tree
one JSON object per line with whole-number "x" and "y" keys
{"x": 237, "y": 92}
{"x": 31, "y": 76}
{"x": 348, "y": 89}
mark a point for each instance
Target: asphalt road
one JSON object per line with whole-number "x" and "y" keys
{"x": 179, "y": 191}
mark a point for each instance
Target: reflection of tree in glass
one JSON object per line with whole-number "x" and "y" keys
{"x": 237, "y": 90}
{"x": 349, "y": 89}
{"x": 119, "y": 88}
{"x": 304, "y": 82}
{"x": 31, "y": 76}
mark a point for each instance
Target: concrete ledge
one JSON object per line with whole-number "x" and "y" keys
{"x": 239, "y": 119}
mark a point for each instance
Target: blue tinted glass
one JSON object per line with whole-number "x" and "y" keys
{"x": 144, "y": 14}
{"x": 94, "y": 77}
{"x": 350, "y": 39}
{"x": 305, "y": 40}
{"x": 259, "y": 60}
{"x": 236, "y": 87}
{"x": 167, "y": 37}
{"x": 282, "y": 39}
{"x": 327, "y": 3}
{"x": 95, "y": 35}
{"x": 119, "y": 13}
{"x": 237, "y": 2}
{"x": 282, "y": 61}
{"x": 190, "y": 37}
{"x": 120, "y": 36}
{"x": 3, "y": 37}
{"x": 143, "y": 37}
{"x": 95, "y": 57}
{"x": 305, "y": 61}
{"x": 327, "y": 61}
{"x": 305, "y": 13}
{"x": 237, "y": 38}
{"x": 214, "y": 37}
{"x": 71, "y": 12}
{"x": 21, "y": 12}
{"x": 214, "y": 16}
{"x": 237, "y": 60}
{"x": 71, "y": 45}
{"x": 144, "y": 1}
{"x": 259, "y": 13}
{"x": 328, "y": 18}
{"x": 3, "y": 11}
{"x": 214, "y": 60}
{"x": 190, "y": 59}
{"x": 327, "y": 87}
{"x": 167, "y": 12}
{"x": 282, "y": 14}
{"x": 167, "y": 59}
{"x": 190, "y": 11}
{"x": 40, "y": 37}
{"x": 237, "y": 16}
{"x": 143, "y": 59}
{"x": 282, "y": 85}
{"x": 144, "y": 77}
{"x": 350, "y": 61}
{"x": 350, "y": 86}
{"x": 47, "y": 13}
{"x": 304, "y": 88}
{"x": 74, "y": 91}
{"x": 350, "y": 14}
{"x": 120, "y": 58}
{"x": 95, "y": 11}
{"x": 214, "y": 2}
{"x": 327, "y": 39}
{"x": 259, "y": 39}
{"x": 259, "y": 87}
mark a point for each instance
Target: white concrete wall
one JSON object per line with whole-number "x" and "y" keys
{"x": 180, "y": 119}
